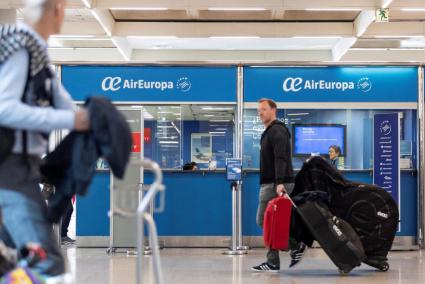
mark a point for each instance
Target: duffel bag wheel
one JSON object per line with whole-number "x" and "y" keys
{"x": 384, "y": 266}
{"x": 343, "y": 272}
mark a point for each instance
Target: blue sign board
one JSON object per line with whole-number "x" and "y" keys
{"x": 152, "y": 84}
{"x": 331, "y": 84}
{"x": 234, "y": 169}
{"x": 386, "y": 140}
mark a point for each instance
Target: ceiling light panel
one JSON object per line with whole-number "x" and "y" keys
{"x": 139, "y": 8}
{"x": 333, "y": 9}
{"x": 237, "y": 9}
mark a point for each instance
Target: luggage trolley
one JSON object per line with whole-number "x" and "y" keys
{"x": 143, "y": 215}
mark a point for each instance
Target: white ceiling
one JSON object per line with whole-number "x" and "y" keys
{"x": 231, "y": 43}
{"x": 237, "y": 31}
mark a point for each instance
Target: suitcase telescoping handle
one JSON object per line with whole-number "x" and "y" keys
{"x": 290, "y": 199}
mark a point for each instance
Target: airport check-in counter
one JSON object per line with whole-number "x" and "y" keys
{"x": 188, "y": 114}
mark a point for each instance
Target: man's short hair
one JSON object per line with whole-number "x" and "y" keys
{"x": 270, "y": 102}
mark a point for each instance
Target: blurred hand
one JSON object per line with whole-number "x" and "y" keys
{"x": 82, "y": 121}
{"x": 280, "y": 189}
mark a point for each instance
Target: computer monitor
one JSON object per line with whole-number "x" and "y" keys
{"x": 405, "y": 148}
{"x": 308, "y": 139}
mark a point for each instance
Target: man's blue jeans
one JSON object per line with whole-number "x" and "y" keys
{"x": 25, "y": 221}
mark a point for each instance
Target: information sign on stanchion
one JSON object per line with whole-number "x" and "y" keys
{"x": 234, "y": 174}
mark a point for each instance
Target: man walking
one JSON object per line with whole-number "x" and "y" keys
{"x": 276, "y": 175}
{"x": 32, "y": 104}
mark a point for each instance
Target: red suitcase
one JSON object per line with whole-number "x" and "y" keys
{"x": 277, "y": 220}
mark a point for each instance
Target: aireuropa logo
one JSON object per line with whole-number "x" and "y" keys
{"x": 385, "y": 127}
{"x": 111, "y": 84}
{"x": 292, "y": 84}
{"x": 183, "y": 84}
{"x": 296, "y": 84}
{"x": 114, "y": 84}
{"x": 364, "y": 84}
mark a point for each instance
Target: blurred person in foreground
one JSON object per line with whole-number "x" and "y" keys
{"x": 32, "y": 104}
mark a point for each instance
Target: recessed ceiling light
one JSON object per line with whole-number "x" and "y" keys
{"x": 412, "y": 43}
{"x": 153, "y": 37}
{"x": 412, "y": 9}
{"x": 217, "y": 108}
{"x": 398, "y": 36}
{"x": 79, "y": 39}
{"x": 367, "y": 49}
{"x": 62, "y": 48}
{"x": 234, "y": 37}
{"x": 140, "y": 8}
{"x": 334, "y": 9}
{"x": 316, "y": 37}
{"x": 168, "y": 142}
{"x": 72, "y": 36}
{"x": 236, "y": 9}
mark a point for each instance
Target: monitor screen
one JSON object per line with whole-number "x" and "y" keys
{"x": 315, "y": 139}
{"x": 405, "y": 148}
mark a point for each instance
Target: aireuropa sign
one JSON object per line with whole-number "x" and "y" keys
{"x": 146, "y": 84}
{"x": 115, "y": 84}
{"x": 297, "y": 84}
{"x": 331, "y": 84}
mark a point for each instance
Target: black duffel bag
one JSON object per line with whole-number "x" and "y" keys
{"x": 374, "y": 215}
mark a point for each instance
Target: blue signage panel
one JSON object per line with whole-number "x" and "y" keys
{"x": 386, "y": 138}
{"x": 234, "y": 169}
{"x": 331, "y": 84}
{"x": 152, "y": 84}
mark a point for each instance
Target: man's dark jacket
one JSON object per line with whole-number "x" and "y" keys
{"x": 275, "y": 155}
{"x": 71, "y": 166}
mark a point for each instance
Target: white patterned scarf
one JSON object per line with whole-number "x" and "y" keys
{"x": 13, "y": 38}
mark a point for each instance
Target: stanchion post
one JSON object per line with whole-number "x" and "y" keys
{"x": 236, "y": 175}
{"x": 233, "y": 250}
{"x": 239, "y": 245}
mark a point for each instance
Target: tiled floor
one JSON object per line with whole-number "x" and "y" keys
{"x": 187, "y": 266}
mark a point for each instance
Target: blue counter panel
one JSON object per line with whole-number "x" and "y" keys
{"x": 250, "y": 193}
{"x": 197, "y": 205}
{"x": 92, "y": 209}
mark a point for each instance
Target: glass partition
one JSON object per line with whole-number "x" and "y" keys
{"x": 354, "y": 128}
{"x": 179, "y": 134}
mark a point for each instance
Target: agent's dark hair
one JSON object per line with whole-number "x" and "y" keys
{"x": 270, "y": 102}
{"x": 189, "y": 166}
{"x": 336, "y": 148}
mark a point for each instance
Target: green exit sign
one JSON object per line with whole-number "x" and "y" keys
{"x": 382, "y": 15}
